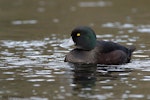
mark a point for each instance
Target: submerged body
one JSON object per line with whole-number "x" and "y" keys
{"x": 90, "y": 51}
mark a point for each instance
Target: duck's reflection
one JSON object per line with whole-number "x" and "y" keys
{"x": 86, "y": 75}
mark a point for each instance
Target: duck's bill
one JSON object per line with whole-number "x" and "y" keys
{"x": 67, "y": 43}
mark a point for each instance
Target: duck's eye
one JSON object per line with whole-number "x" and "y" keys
{"x": 78, "y": 34}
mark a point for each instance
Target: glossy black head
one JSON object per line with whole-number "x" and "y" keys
{"x": 84, "y": 38}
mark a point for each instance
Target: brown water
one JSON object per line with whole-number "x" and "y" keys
{"x": 31, "y": 60}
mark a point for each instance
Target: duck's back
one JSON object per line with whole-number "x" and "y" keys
{"x": 108, "y": 46}
{"x": 115, "y": 52}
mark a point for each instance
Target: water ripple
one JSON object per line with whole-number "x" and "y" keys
{"x": 95, "y": 4}
{"x": 20, "y": 22}
{"x": 20, "y": 53}
{"x": 47, "y": 52}
{"x": 131, "y": 27}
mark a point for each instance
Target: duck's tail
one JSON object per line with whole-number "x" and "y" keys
{"x": 131, "y": 48}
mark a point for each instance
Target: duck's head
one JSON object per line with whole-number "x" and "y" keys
{"x": 84, "y": 38}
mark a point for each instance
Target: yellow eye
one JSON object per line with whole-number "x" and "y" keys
{"x": 78, "y": 34}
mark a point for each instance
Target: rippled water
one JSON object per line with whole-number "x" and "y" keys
{"x": 32, "y": 63}
{"x": 31, "y": 70}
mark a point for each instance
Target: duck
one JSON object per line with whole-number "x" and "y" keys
{"x": 89, "y": 50}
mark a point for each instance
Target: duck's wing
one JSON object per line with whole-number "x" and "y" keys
{"x": 107, "y": 46}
